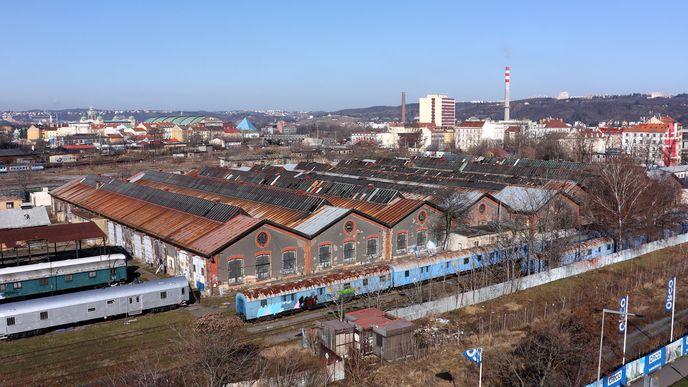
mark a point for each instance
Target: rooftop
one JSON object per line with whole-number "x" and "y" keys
{"x": 21, "y": 218}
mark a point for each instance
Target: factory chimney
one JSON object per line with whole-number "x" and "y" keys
{"x": 507, "y": 76}
{"x": 403, "y": 107}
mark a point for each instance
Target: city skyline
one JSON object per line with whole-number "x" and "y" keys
{"x": 175, "y": 56}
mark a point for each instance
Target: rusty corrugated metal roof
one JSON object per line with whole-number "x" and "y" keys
{"x": 55, "y": 233}
{"x": 338, "y": 276}
{"x": 194, "y": 233}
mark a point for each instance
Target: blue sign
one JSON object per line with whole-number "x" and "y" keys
{"x": 685, "y": 345}
{"x": 475, "y": 355}
{"x": 655, "y": 361}
{"x": 669, "y": 302}
{"x": 623, "y": 305}
{"x": 618, "y": 378}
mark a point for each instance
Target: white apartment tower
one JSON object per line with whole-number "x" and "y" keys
{"x": 437, "y": 109}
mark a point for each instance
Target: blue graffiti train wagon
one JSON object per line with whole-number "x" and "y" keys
{"x": 587, "y": 250}
{"x": 41, "y": 278}
{"x": 414, "y": 270}
{"x": 278, "y": 299}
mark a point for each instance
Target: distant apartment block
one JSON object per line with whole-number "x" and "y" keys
{"x": 437, "y": 109}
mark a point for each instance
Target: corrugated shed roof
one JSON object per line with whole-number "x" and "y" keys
{"x": 20, "y": 218}
{"x": 321, "y": 219}
{"x": 275, "y": 214}
{"x": 524, "y": 199}
{"x": 55, "y": 233}
{"x": 188, "y": 231}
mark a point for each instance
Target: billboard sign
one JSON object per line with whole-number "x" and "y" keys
{"x": 669, "y": 300}
{"x": 655, "y": 361}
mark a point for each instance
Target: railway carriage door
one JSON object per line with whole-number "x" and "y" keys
{"x": 134, "y": 305}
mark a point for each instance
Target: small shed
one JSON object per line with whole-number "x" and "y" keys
{"x": 390, "y": 339}
{"x": 394, "y": 340}
{"x": 336, "y": 335}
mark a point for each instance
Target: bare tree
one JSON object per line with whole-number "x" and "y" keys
{"x": 615, "y": 194}
{"x": 454, "y": 206}
{"x": 218, "y": 351}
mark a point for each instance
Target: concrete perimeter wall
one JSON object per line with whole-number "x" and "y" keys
{"x": 477, "y": 296}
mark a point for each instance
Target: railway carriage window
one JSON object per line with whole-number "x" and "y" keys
{"x": 321, "y": 290}
{"x": 137, "y": 298}
{"x": 91, "y": 309}
{"x": 371, "y": 249}
{"x": 407, "y": 273}
{"x": 609, "y": 247}
{"x": 91, "y": 274}
{"x": 183, "y": 291}
{"x": 44, "y": 315}
{"x": 448, "y": 265}
{"x": 68, "y": 277}
{"x": 401, "y": 243}
{"x": 163, "y": 295}
{"x": 365, "y": 281}
{"x": 9, "y": 205}
{"x": 421, "y": 239}
{"x": 465, "y": 261}
{"x": 476, "y": 243}
{"x": 480, "y": 258}
{"x": 263, "y": 303}
{"x": 349, "y": 251}
{"x": 324, "y": 255}
{"x": 10, "y": 321}
{"x": 292, "y": 297}
{"x": 347, "y": 285}
{"x": 43, "y": 281}
{"x": 109, "y": 302}
{"x": 589, "y": 251}
{"x": 262, "y": 266}
{"x": 284, "y": 298}
{"x": 3, "y": 287}
{"x": 289, "y": 261}
{"x": 17, "y": 285}
{"x": 383, "y": 278}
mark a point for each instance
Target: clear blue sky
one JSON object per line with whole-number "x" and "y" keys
{"x": 312, "y": 55}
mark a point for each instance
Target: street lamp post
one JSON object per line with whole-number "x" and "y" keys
{"x": 599, "y": 359}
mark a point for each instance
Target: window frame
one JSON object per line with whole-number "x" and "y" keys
{"x": 286, "y": 270}
{"x": 352, "y": 250}
{"x": 377, "y": 247}
{"x": 405, "y": 248}
{"x": 265, "y": 273}
{"x": 43, "y": 315}
{"x": 328, "y": 249}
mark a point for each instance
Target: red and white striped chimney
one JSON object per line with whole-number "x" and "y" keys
{"x": 507, "y": 80}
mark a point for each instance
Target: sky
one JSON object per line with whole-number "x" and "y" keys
{"x": 330, "y": 55}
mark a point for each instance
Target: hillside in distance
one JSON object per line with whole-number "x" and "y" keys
{"x": 589, "y": 110}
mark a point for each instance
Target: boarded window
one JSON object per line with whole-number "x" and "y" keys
{"x": 325, "y": 255}
{"x": 235, "y": 270}
{"x": 401, "y": 243}
{"x": 17, "y": 285}
{"x": 347, "y": 285}
{"x": 91, "y": 274}
{"x": 349, "y": 251}
{"x": 44, "y": 315}
{"x": 3, "y": 287}
{"x": 43, "y": 281}
{"x": 378, "y": 340}
{"x": 68, "y": 278}
{"x": 371, "y": 247}
{"x": 289, "y": 261}
{"x": 263, "y": 266}
{"x": 10, "y": 321}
